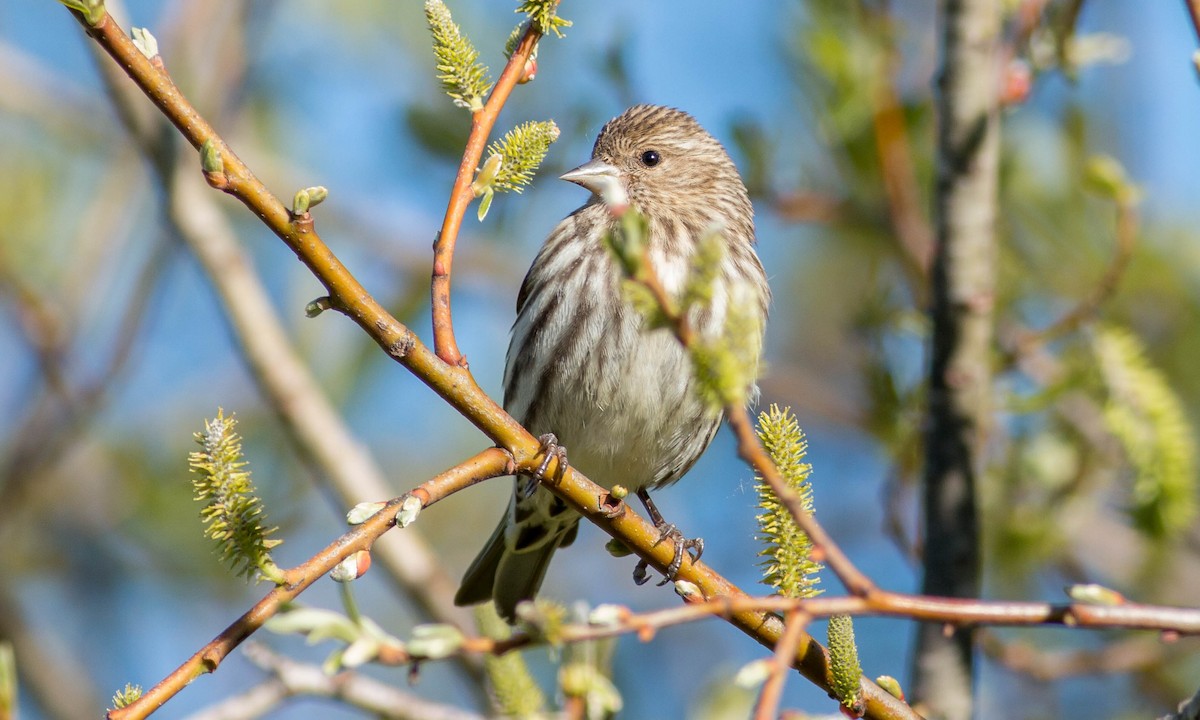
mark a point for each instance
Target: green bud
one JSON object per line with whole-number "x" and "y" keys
{"x": 487, "y": 174}
{"x": 843, "y": 661}
{"x": 410, "y": 509}
{"x": 210, "y": 158}
{"x": 435, "y": 641}
{"x": 362, "y": 512}
{"x": 607, "y": 615}
{"x": 463, "y": 77}
{"x": 317, "y": 195}
{"x": 145, "y": 42}
{"x": 300, "y": 202}
{"x": 1094, "y": 594}
{"x": 891, "y": 685}
{"x": 352, "y": 568}
{"x": 318, "y": 306}
{"x": 616, "y": 548}
{"x": 522, "y": 150}
{"x": 126, "y": 696}
{"x": 93, "y": 12}
{"x": 485, "y": 204}
{"x": 544, "y": 15}
{"x": 686, "y": 589}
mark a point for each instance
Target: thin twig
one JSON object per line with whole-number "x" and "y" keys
{"x": 785, "y": 650}
{"x": 461, "y": 196}
{"x": 1193, "y": 8}
{"x": 487, "y": 464}
{"x": 949, "y": 612}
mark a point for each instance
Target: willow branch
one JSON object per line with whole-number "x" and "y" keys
{"x": 461, "y": 196}
{"x": 785, "y": 650}
{"x": 487, "y": 464}
{"x": 1193, "y": 9}
{"x": 283, "y": 379}
{"x": 951, "y": 612}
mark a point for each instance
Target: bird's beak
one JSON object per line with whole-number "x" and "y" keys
{"x": 602, "y": 179}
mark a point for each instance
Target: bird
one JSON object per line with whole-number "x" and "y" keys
{"x": 584, "y": 372}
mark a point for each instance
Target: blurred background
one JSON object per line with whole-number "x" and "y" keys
{"x": 115, "y": 346}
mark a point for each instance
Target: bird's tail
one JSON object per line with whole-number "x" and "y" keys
{"x": 513, "y": 563}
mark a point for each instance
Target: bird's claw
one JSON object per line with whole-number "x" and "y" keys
{"x": 550, "y": 449}
{"x": 693, "y": 546}
{"x": 641, "y": 572}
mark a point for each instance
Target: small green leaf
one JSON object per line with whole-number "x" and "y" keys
{"x": 93, "y": 11}
{"x": 485, "y": 203}
{"x": 146, "y": 43}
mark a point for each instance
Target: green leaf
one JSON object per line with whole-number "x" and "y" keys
{"x": 485, "y": 203}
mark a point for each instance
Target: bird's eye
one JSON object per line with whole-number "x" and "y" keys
{"x": 650, "y": 158}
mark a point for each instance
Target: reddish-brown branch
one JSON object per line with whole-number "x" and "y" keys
{"x": 896, "y": 169}
{"x": 487, "y": 464}
{"x": 953, "y": 612}
{"x": 824, "y": 549}
{"x": 461, "y": 196}
{"x": 347, "y": 295}
{"x": 1193, "y": 8}
{"x": 785, "y": 650}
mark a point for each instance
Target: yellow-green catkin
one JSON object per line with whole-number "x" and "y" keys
{"x": 786, "y": 564}
{"x": 233, "y": 515}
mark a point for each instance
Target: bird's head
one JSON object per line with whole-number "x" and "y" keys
{"x": 662, "y": 161}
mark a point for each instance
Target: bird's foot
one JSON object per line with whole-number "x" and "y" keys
{"x": 693, "y": 546}
{"x": 550, "y": 449}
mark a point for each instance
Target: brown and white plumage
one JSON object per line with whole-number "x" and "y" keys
{"x": 581, "y": 366}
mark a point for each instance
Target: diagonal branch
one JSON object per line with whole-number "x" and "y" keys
{"x": 283, "y": 379}
{"x": 487, "y": 464}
